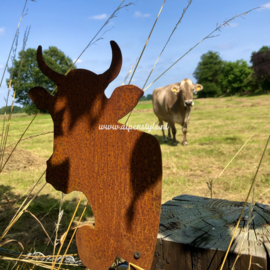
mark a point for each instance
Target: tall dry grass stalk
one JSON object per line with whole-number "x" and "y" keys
{"x": 211, "y": 181}
{"x": 143, "y": 51}
{"x": 75, "y": 230}
{"x": 108, "y": 20}
{"x": 60, "y": 215}
{"x": 9, "y": 89}
{"x": 147, "y": 41}
{"x": 250, "y": 218}
{"x": 121, "y": 6}
{"x": 17, "y": 30}
{"x": 183, "y": 13}
{"x": 14, "y": 49}
{"x": 225, "y": 23}
{"x": 21, "y": 209}
{"x": 31, "y": 137}
{"x": 3, "y": 144}
{"x": 134, "y": 266}
{"x": 239, "y": 219}
{"x": 123, "y": 83}
{"x": 65, "y": 235}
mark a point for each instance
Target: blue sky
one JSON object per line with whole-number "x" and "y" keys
{"x": 70, "y": 25}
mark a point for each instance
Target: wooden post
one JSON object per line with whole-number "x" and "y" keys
{"x": 194, "y": 234}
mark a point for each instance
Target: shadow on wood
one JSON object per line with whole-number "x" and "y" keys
{"x": 194, "y": 234}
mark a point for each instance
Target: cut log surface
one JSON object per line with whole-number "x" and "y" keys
{"x": 195, "y": 232}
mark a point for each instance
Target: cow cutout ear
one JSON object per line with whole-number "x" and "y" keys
{"x": 198, "y": 87}
{"x": 175, "y": 89}
{"x": 40, "y": 97}
{"x": 124, "y": 99}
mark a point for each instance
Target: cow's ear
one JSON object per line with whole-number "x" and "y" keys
{"x": 40, "y": 97}
{"x": 175, "y": 89}
{"x": 198, "y": 87}
{"x": 124, "y": 99}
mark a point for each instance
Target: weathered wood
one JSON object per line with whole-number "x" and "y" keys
{"x": 195, "y": 232}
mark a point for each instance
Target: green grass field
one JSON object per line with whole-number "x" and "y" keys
{"x": 217, "y": 130}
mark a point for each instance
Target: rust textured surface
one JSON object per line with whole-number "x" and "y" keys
{"x": 119, "y": 171}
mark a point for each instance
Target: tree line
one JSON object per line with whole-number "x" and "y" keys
{"x": 218, "y": 77}
{"x": 148, "y": 97}
{"x": 16, "y": 109}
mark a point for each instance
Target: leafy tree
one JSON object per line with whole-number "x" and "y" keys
{"x": 209, "y": 68}
{"x": 210, "y": 89}
{"x": 234, "y": 77}
{"x": 261, "y": 64}
{"x": 208, "y": 72}
{"x": 31, "y": 76}
{"x": 252, "y": 84}
{"x": 149, "y": 97}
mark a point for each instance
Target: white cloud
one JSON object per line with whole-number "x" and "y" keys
{"x": 1, "y": 66}
{"x": 265, "y": 6}
{"x": 99, "y": 17}
{"x": 233, "y": 24}
{"x": 2, "y": 30}
{"x": 78, "y": 61}
{"x": 138, "y": 14}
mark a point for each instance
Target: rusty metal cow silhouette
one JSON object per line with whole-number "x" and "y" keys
{"x": 118, "y": 170}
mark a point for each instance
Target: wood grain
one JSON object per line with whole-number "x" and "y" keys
{"x": 194, "y": 233}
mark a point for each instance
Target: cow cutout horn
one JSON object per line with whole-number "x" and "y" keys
{"x": 46, "y": 70}
{"x": 116, "y": 63}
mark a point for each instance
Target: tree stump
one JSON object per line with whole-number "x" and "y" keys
{"x": 195, "y": 232}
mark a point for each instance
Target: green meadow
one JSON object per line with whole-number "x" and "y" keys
{"x": 217, "y": 130}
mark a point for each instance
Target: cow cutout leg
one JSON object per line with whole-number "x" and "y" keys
{"x": 184, "y": 129}
{"x": 169, "y": 133}
{"x": 162, "y": 129}
{"x": 95, "y": 248}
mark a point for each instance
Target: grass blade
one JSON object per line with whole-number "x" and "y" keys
{"x": 253, "y": 181}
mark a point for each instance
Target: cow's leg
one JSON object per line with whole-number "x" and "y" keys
{"x": 162, "y": 129}
{"x": 184, "y": 126}
{"x": 169, "y": 133}
{"x": 172, "y": 126}
{"x": 184, "y": 129}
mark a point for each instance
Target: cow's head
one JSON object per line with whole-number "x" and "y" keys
{"x": 185, "y": 90}
{"x": 77, "y": 82}
{"x": 76, "y": 110}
